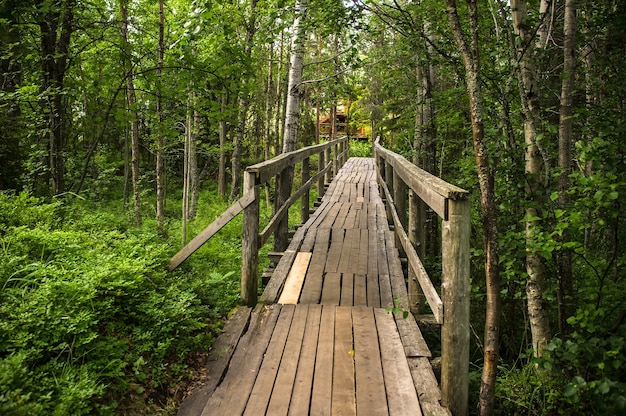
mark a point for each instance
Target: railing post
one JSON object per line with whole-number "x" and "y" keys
{"x": 320, "y": 182}
{"x": 329, "y": 172}
{"x": 455, "y": 289}
{"x": 335, "y": 157}
{"x": 389, "y": 182}
{"x": 417, "y": 300}
{"x": 399, "y": 199}
{"x": 304, "y": 211}
{"x": 250, "y": 243}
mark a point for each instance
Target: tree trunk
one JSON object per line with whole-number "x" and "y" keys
{"x": 10, "y": 78}
{"x": 55, "y": 43}
{"x": 244, "y": 100}
{"x": 292, "y": 118}
{"x": 132, "y": 103}
{"x": 194, "y": 178}
{"x": 160, "y": 152}
{"x": 470, "y": 53}
{"x": 565, "y": 291}
{"x": 268, "y": 118}
{"x": 221, "y": 173}
{"x": 535, "y": 267}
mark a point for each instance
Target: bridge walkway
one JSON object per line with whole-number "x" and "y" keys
{"x": 330, "y": 336}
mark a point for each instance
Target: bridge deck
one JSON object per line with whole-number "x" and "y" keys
{"x": 323, "y": 342}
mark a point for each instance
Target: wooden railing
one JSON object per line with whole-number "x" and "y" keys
{"x": 408, "y": 188}
{"x": 331, "y": 157}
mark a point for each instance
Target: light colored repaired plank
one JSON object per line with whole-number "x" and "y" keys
{"x": 295, "y": 279}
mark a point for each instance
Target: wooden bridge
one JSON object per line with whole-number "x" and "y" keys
{"x": 332, "y": 333}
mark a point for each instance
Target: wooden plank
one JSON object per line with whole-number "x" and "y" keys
{"x": 363, "y": 252}
{"x": 396, "y": 275}
{"x": 412, "y": 339}
{"x": 295, "y": 279}
{"x": 370, "y": 391}
{"x": 334, "y": 252}
{"x": 331, "y": 216}
{"x": 232, "y": 394}
{"x": 384, "y": 282}
{"x": 342, "y": 216}
{"x": 350, "y": 242}
{"x": 347, "y": 290}
{"x": 303, "y": 384}
{"x": 217, "y": 363}
{"x": 309, "y": 239}
{"x": 401, "y": 393}
{"x": 343, "y": 395}
{"x": 350, "y": 218}
{"x": 321, "y": 396}
{"x": 285, "y": 380}
{"x": 219, "y": 223}
{"x": 274, "y": 286}
{"x": 360, "y": 290}
{"x": 427, "y": 387}
{"x": 312, "y": 289}
{"x": 331, "y": 291}
{"x": 373, "y": 285}
{"x": 262, "y": 390}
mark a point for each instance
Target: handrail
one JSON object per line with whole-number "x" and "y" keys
{"x": 262, "y": 173}
{"x": 400, "y": 180}
{"x": 255, "y": 176}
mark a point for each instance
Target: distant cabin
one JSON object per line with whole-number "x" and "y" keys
{"x": 341, "y": 124}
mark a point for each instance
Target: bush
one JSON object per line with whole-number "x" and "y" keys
{"x": 88, "y": 317}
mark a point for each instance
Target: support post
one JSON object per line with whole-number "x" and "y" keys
{"x": 305, "y": 201}
{"x": 320, "y": 182}
{"x": 455, "y": 288}
{"x": 329, "y": 172}
{"x": 389, "y": 182}
{"x": 399, "y": 199}
{"x": 250, "y": 244}
{"x": 417, "y": 300}
{"x": 335, "y": 147}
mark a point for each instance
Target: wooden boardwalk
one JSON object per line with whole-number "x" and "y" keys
{"x": 322, "y": 342}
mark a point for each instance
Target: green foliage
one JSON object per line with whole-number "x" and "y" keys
{"x": 87, "y": 310}
{"x": 360, "y": 148}
{"x": 526, "y": 391}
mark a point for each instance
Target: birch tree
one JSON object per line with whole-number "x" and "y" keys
{"x": 292, "y": 114}
{"x": 469, "y": 49}
{"x": 132, "y": 107}
{"x": 535, "y": 267}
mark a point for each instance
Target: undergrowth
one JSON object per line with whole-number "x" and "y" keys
{"x": 90, "y": 321}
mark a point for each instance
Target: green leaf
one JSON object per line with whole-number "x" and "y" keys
{"x": 570, "y": 391}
